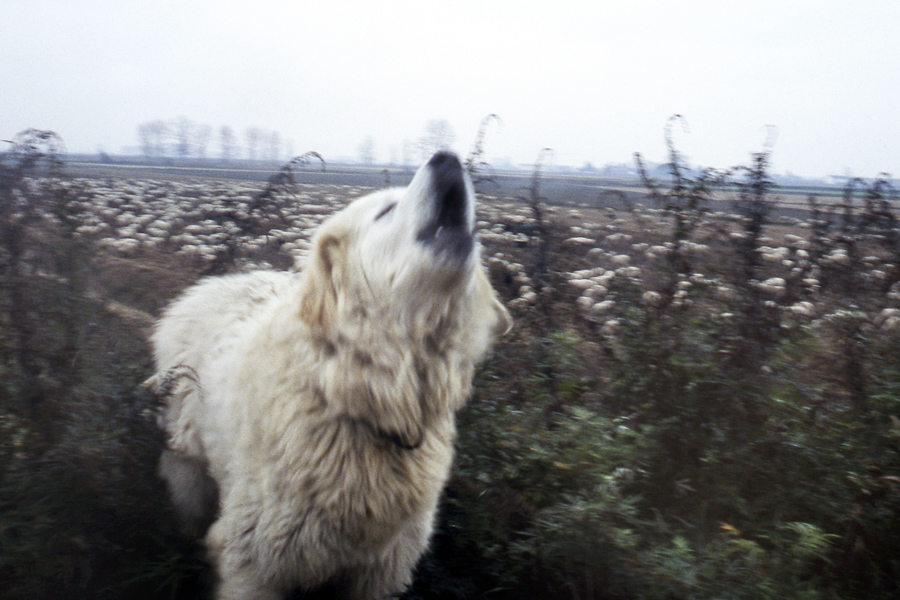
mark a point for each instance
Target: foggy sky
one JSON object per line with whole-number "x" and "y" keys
{"x": 596, "y": 81}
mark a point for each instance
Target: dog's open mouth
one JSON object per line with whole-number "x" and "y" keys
{"x": 450, "y": 231}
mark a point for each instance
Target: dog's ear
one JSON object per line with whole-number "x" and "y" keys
{"x": 504, "y": 321}
{"x": 501, "y": 321}
{"x": 318, "y": 293}
{"x": 486, "y": 317}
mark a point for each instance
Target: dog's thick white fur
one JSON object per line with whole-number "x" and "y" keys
{"x": 320, "y": 405}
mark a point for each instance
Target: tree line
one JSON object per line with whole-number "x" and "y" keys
{"x": 185, "y": 138}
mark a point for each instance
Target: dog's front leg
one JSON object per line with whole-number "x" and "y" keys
{"x": 238, "y": 571}
{"x": 392, "y": 573}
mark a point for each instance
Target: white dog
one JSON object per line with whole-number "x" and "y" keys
{"x": 319, "y": 407}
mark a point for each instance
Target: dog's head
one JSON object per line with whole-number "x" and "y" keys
{"x": 400, "y": 253}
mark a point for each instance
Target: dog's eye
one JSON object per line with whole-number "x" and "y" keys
{"x": 385, "y": 210}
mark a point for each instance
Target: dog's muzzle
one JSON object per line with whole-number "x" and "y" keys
{"x": 449, "y": 232}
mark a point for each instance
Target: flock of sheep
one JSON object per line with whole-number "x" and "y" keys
{"x": 204, "y": 220}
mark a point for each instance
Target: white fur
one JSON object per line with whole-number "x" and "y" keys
{"x": 322, "y": 404}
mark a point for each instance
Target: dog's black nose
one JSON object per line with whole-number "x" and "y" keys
{"x": 449, "y": 189}
{"x": 444, "y": 160}
{"x": 449, "y": 231}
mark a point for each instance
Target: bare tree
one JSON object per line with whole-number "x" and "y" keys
{"x": 254, "y": 136}
{"x": 367, "y": 150}
{"x": 146, "y": 139}
{"x": 273, "y": 145}
{"x": 202, "y": 134}
{"x": 439, "y": 135}
{"x": 409, "y": 150}
{"x": 228, "y": 142}
{"x": 183, "y": 133}
{"x": 153, "y": 136}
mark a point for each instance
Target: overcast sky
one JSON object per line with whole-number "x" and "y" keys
{"x": 593, "y": 80}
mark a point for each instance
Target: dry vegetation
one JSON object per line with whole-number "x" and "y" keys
{"x": 693, "y": 404}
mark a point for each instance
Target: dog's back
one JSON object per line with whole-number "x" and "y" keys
{"x": 194, "y": 333}
{"x": 205, "y": 317}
